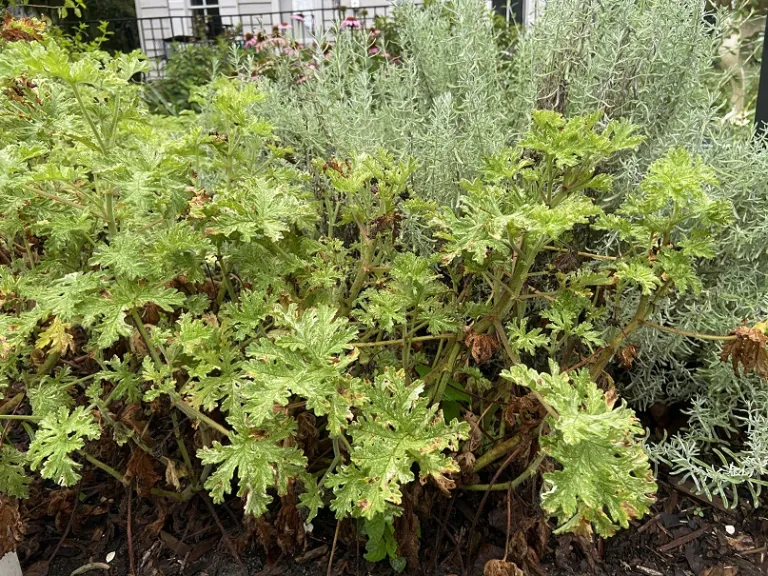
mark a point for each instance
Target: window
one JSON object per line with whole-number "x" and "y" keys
{"x": 206, "y": 19}
{"x": 204, "y": 8}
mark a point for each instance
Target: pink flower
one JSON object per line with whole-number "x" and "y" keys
{"x": 297, "y": 17}
{"x": 351, "y": 22}
{"x": 374, "y": 33}
{"x": 373, "y": 50}
{"x": 251, "y": 43}
{"x": 283, "y": 26}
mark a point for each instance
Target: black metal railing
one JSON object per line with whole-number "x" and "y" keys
{"x": 158, "y": 36}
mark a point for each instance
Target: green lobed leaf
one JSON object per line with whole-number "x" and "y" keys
{"x": 59, "y": 434}
{"x": 604, "y": 479}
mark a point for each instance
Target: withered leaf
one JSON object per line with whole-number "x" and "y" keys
{"x": 21, "y": 29}
{"x": 747, "y": 349}
{"x": 11, "y": 527}
{"x": 501, "y": 568}
{"x": 407, "y": 531}
{"x": 141, "y": 468}
{"x": 172, "y": 474}
{"x": 481, "y": 346}
{"x": 444, "y": 483}
{"x": 37, "y": 569}
{"x": 627, "y": 355}
{"x": 524, "y": 412}
{"x": 475, "y": 435}
{"x": 289, "y": 525}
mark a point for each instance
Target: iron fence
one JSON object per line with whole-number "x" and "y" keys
{"x": 158, "y": 37}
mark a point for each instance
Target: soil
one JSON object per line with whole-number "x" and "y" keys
{"x": 684, "y": 536}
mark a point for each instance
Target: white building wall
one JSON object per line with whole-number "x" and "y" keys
{"x": 533, "y": 9}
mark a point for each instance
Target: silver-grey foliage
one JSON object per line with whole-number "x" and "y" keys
{"x": 444, "y": 105}
{"x": 453, "y": 100}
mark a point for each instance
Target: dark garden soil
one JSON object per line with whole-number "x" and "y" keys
{"x": 683, "y": 536}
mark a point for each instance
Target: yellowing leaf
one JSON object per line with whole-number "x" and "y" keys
{"x": 56, "y": 337}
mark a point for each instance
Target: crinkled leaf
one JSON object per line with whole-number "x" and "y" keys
{"x": 60, "y": 434}
{"x": 397, "y": 429}
{"x": 604, "y": 478}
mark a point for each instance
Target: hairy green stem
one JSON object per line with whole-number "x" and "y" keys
{"x": 346, "y": 443}
{"x": 195, "y": 414}
{"x": 687, "y": 334}
{"x": 177, "y": 401}
{"x": 182, "y": 445}
{"x": 366, "y": 257}
{"x": 145, "y": 336}
{"x": 115, "y": 120}
{"x": 106, "y": 468}
{"x": 55, "y": 198}
{"x": 335, "y": 462}
{"x": 447, "y": 371}
{"x": 110, "y": 212}
{"x": 87, "y": 117}
{"x": 21, "y": 417}
{"x": 496, "y": 452}
{"x": 11, "y": 405}
{"x": 49, "y": 363}
{"x": 28, "y": 249}
{"x": 606, "y": 355}
{"x": 512, "y": 484}
{"x": 584, "y": 254}
{"x": 401, "y": 341}
{"x": 225, "y": 272}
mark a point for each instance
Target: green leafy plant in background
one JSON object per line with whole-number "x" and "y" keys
{"x": 189, "y": 66}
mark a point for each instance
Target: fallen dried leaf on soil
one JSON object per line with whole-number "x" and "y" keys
{"x": 11, "y": 527}
{"x": 501, "y": 568}
{"x": 141, "y": 468}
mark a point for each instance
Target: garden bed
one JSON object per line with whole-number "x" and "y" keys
{"x": 350, "y": 314}
{"x": 683, "y": 536}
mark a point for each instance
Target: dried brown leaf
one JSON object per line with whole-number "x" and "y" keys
{"x": 501, "y": 568}
{"x": 748, "y": 349}
{"x": 133, "y": 417}
{"x": 141, "y": 468}
{"x": 466, "y": 462}
{"x": 481, "y": 346}
{"x": 407, "y": 529}
{"x": 721, "y": 571}
{"x": 524, "y": 412}
{"x": 567, "y": 262}
{"x": 21, "y": 29}
{"x": 475, "y": 435}
{"x": 627, "y": 355}
{"x": 152, "y": 530}
{"x": 289, "y": 524}
{"x": 11, "y": 526}
{"x": 741, "y": 543}
{"x": 172, "y": 474}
